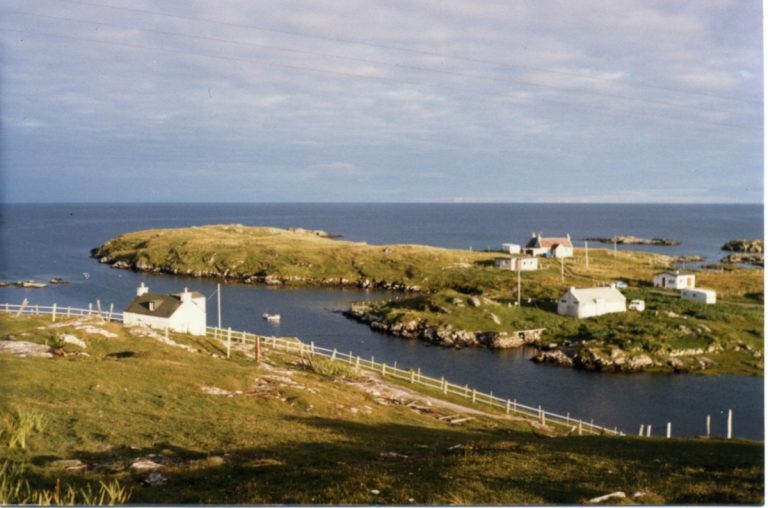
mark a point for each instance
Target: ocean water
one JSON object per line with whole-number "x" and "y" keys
{"x": 42, "y": 241}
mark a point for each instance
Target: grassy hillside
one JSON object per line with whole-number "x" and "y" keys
{"x": 229, "y": 431}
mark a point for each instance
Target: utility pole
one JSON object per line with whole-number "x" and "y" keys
{"x": 586, "y": 252}
{"x": 218, "y": 297}
{"x": 519, "y": 263}
{"x": 614, "y": 248}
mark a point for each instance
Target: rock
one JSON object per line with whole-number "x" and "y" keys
{"x": 124, "y": 265}
{"x": 637, "y": 363}
{"x": 689, "y": 259}
{"x": 744, "y": 257}
{"x": 557, "y": 357}
{"x": 375, "y": 492}
{"x": 473, "y": 301}
{"x": 613, "y": 495}
{"x": 637, "y": 494}
{"x": 755, "y": 246}
{"x": 31, "y": 284}
{"x": 69, "y": 465}
{"x": 495, "y": 318}
{"x": 676, "y": 364}
{"x": 71, "y": 339}
{"x": 503, "y": 340}
{"x": 23, "y": 348}
{"x": 58, "y": 280}
{"x": 458, "y": 302}
{"x": 154, "y": 479}
{"x": 145, "y": 464}
{"x": 633, "y": 240}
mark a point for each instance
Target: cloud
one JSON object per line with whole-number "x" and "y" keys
{"x": 335, "y": 169}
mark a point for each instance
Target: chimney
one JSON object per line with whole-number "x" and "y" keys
{"x": 142, "y": 290}
{"x": 568, "y": 236}
{"x": 186, "y": 296}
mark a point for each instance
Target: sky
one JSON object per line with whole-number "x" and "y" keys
{"x": 381, "y": 101}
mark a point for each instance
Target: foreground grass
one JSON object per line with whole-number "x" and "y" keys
{"x": 286, "y": 433}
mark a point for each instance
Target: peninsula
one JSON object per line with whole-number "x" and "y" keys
{"x": 458, "y": 298}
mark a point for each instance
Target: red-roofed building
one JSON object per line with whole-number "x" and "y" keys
{"x": 550, "y": 247}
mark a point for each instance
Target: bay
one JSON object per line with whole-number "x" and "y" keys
{"x": 41, "y": 241}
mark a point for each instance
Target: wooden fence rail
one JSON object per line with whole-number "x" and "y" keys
{"x": 471, "y": 395}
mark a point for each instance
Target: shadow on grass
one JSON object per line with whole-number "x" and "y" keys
{"x": 345, "y": 462}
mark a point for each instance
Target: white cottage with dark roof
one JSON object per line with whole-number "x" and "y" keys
{"x": 589, "y": 302}
{"x": 554, "y": 247}
{"x": 180, "y": 312}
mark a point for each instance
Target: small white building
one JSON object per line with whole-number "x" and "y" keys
{"x": 638, "y": 305}
{"x": 510, "y": 248}
{"x": 588, "y": 302}
{"x": 699, "y": 295}
{"x": 180, "y": 312}
{"x": 524, "y": 264}
{"x": 550, "y": 247}
{"x": 674, "y": 280}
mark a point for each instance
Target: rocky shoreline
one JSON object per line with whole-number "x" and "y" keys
{"x": 633, "y": 240}
{"x": 445, "y": 336}
{"x": 256, "y": 278}
{"x": 585, "y": 356}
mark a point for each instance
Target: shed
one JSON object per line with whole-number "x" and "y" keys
{"x": 676, "y": 279}
{"x": 524, "y": 264}
{"x": 510, "y": 248}
{"x": 588, "y": 302}
{"x": 699, "y": 295}
{"x": 181, "y": 312}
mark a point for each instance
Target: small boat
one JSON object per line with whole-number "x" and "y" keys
{"x": 275, "y": 318}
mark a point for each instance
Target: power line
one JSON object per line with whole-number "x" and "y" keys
{"x": 395, "y": 48}
{"x": 358, "y": 76}
{"x": 375, "y": 62}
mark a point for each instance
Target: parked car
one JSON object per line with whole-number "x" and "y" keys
{"x": 638, "y": 305}
{"x": 619, "y": 284}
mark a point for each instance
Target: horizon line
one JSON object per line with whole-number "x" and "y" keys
{"x": 379, "y": 203}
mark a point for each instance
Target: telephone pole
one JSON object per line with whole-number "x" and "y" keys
{"x": 586, "y": 252}
{"x": 519, "y": 263}
{"x": 218, "y": 297}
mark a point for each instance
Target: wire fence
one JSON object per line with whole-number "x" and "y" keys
{"x": 229, "y": 337}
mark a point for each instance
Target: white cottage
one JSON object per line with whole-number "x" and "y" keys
{"x": 524, "y": 264}
{"x": 674, "y": 280}
{"x": 588, "y": 302}
{"x": 699, "y": 295}
{"x": 180, "y": 312}
{"x": 550, "y": 247}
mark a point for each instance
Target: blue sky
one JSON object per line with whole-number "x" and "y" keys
{"x": 371, "y": 101}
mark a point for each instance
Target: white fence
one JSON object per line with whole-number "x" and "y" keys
{"x": 228, "y": 336}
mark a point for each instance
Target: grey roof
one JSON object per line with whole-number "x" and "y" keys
{"x": 164, "y": 305}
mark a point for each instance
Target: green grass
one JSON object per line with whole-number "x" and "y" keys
{"x": 300, "y": 442}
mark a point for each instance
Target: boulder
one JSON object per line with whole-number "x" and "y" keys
{"x": 23, "y": 348}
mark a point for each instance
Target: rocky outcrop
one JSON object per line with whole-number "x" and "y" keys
{"x": 442, "y": 335}
{"x": 752, "y": 258}
{"x": 633, "y": 240}
{"x": 753, "y": 246}
{"x": 689, "y": 259}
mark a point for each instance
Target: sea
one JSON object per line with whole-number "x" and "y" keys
{"x": 42, "y": 241}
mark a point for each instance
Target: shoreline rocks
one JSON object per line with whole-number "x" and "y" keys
{"x": 633, "y": 240}
{"x": 443, "y": 335}
{"x": 750, "y": 246}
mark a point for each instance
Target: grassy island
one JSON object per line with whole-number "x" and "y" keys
{"x": 162, "y": 424}
{"x": 458, "y": 298}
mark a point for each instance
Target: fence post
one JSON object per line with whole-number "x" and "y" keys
{"x": 111, "y": 308}
{"x": 669, "y": 430}
{"x": 490, "y": 399}
{"x": 418, "y": 374}
{"x": 350, "y": 358}
{"x": 508, "y": 404}
{"x": 21, "y": 307}
{"x": 357, "y": 363}
{"x": 648, "y": 431}
{"x": 543, "y": 418}
{"x": 730, "y": 424}
{"x": 413, "y": 375}
{"x": 383, "y": 369}
{"x": 474, "y": 395}
{"x": 579, "y": 427}
{"x": 257, "y": 352}
{"x": 98, "y": 307}
{"x": 312, "y": 348}
{"x": 242, "y": 338}
{"x": 709, "y": 419}
{"x": 445, "y": 385}
{"x": 514, "y": 405}
{"x": 333, "y": 356}
{"x": 69, "y": 311}
{"x": 90, "y": 307}
{"x": 53, "y": 314}
{"x": 229, "y": 340}
{"x": 642, "y": 428}
{"x": 37, "y": 309}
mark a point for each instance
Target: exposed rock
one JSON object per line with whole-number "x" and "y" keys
{"x": 689, "y": 259}
{"x": 557, "y": 357}
{"x": 613, "y": 495}
{"x": 753, "y": 258}
{"x": 23, "y": 348}
{"x": 755, "y": 246}
{"x": 154, "y": 479}
{"x": 145, "y": 464}
{"x": 71, "y": 339}
{"x": 473, "y": 301}
{"x": 31, "y": 284}
{"x": 633, "y": 240}
{"x": 58, "y": 280}
{"x": 495, "y": 318}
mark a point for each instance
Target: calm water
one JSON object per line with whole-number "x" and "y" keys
{"x": 43, "y": 241}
